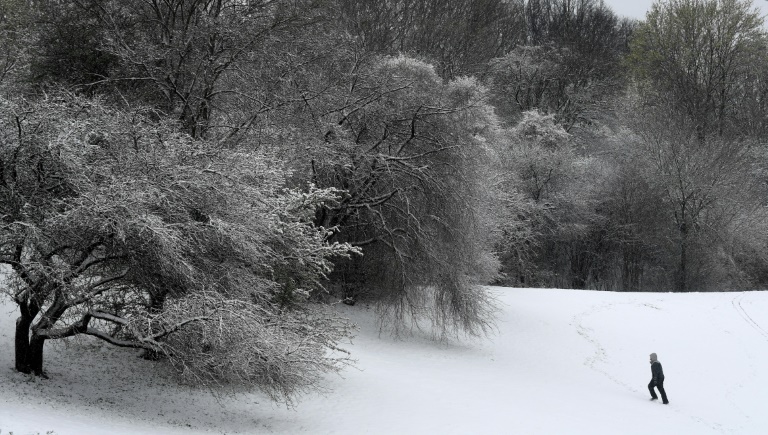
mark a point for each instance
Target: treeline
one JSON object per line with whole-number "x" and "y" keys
{"x": 629, "y": 155}
{"x": 195, "y": 177}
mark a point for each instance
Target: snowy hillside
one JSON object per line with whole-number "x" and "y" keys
{"x": 563, "y": 362}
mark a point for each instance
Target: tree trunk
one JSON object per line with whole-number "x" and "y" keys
{"x": 682, "y": 281}
{"x": 21, "y": 342}
{"x": 35, "y": 355}
{"x": 631, "y": 269}
{"x": 29, "y": 351}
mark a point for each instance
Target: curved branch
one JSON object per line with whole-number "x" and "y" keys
{"x": 93, "y": 290}
{"x": 101, "y": 335}
{"x": 178, "y": 326}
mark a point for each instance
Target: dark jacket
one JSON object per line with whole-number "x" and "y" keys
{"x": 657, "y": 372}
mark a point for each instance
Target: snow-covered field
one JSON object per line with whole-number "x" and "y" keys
{"x": 563, "y": 362}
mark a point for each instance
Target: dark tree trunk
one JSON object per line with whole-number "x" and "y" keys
{"x": 22, "y": 343}
{"x": 28, "y": 350}
{"x": 682, "y": 283}
{"x": 631, "y": 269}
{"x": 28, "y": 310}
{"x": 35, "y": 355}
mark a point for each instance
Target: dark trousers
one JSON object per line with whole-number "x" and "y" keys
{"x": 660, "y": 386}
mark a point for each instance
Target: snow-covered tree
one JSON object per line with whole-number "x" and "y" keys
{"x": 126, "y": 229}
{"x": 412, "y": 153}
{"x": 548, "y": 206}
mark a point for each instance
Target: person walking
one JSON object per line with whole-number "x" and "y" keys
{"x": 657, "y": 380}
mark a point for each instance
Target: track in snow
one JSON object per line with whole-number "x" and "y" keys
{"x": 737, "y": 304}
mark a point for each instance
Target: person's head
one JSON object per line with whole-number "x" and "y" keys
{"x": 653, "y": 357}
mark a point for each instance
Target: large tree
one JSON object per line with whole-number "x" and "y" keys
{"x": 129, "y": 230}
{"x": 699, "y": 56}
{"x": 549, "y": 207}
{"x": 706, "y": 188}
{"x": 411, "y": 152}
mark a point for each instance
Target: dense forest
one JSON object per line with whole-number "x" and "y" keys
{"x": 197, "y": 177}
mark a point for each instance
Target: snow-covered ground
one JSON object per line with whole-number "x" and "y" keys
{"x": 563, "y": 362}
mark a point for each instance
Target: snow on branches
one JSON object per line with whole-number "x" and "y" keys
{"x": 125, "y": 229}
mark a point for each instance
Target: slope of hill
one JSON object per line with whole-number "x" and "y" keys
{"x": 562, "y": 362}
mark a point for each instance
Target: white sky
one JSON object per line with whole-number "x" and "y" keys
{"x": 637, "y": 8}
